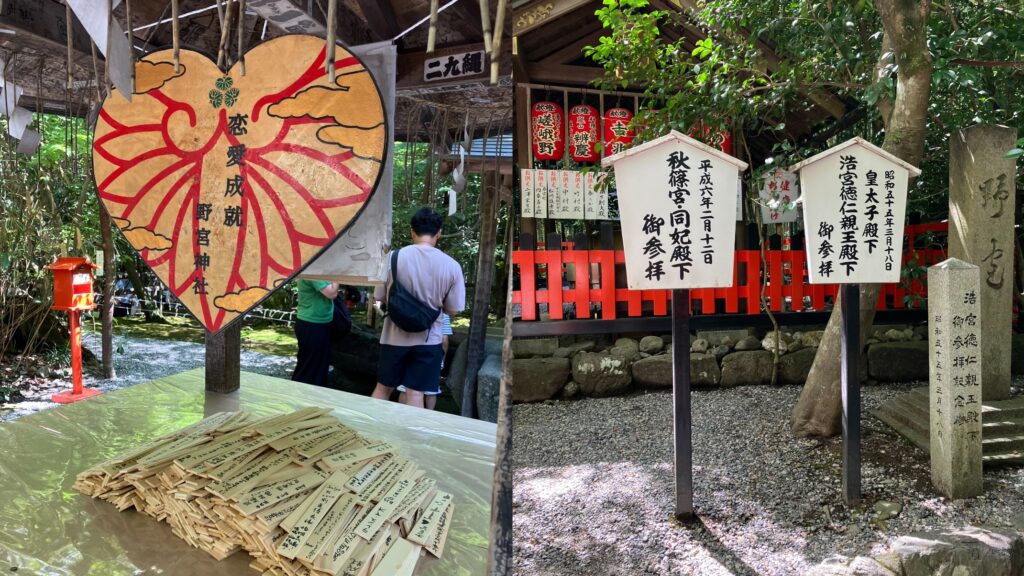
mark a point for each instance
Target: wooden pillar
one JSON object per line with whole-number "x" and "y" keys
{"x": 501, "y": 498}
{"x": 482, "y": 294}
{"x": 223, "y": 356}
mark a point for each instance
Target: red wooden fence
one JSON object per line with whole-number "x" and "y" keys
{"x": 597, "y": 274}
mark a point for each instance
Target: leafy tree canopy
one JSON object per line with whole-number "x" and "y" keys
{"x": 761, "y": 63}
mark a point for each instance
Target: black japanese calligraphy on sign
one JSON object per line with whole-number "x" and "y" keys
{"x": 848, "y": 247}
{"x": 678, "y": 181}
{"x": 454, "y": 66}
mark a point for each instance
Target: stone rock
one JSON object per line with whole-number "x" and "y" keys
{"x": 493, "y": 345}
{"x": 456, "y": 380}
{"x": 645, "y": 355}
{"x": 601, "y": 374}
{"x": 811, "y": 339}
{"x": 893, "y": 335}
{"x": 795, "y": 345}
{"x": 795, "y": 366}
{"x": 727, "y": 341}
{"x": 898, "y": 361}
{"x": 628, "y": 347}
{"x": 537, "y": 379}
{"x": 843, "y": 566}
{"x": 651, "y": 344}
{"x": 885, "y": 510}
{"x": 769, "y": 342}
{"x": 748, "y": 367}
{"x": 748, "y": 343}
{"x": 571, "y": 390}
{"x": 488, "y": 388}
{"x": 720, "y": 351}
{"x": 531, "y": 347}
{"x": 1017, "y": 354}
{"x": 716, "y": 337}
{"x": 699, "y": 345}
{"x": 968, "y": 551}
{"x": 568, "y": 351}
{"x": 657, "y": 371}
{"x": 358, "y": 352}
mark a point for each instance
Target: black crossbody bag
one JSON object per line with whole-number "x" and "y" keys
{"x": 407, "y": 311}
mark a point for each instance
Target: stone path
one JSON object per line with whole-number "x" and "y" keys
{"x": 594, "y": 487}
{"x": 142, "y": 359}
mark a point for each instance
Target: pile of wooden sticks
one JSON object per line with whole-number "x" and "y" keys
{"x": 302, "y": 493}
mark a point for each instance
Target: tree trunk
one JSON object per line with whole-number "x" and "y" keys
{"x": 107, "y": 310}
{"x": 818, "y": 412}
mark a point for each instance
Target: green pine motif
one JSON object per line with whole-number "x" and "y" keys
{"x": 230, "y": 97}
{"x": 224, "y": 93}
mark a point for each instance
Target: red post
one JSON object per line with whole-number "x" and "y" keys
{"x": 78, "y": 392}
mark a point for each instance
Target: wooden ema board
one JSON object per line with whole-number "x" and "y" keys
{"x": 301, "y": 493}
{"x": 229, "y": 184}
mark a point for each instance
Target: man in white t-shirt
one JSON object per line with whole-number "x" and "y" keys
{"x": 409, "y": 359}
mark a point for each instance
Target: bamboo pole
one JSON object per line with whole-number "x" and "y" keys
{"x": 499, "y": 24}
{"x": 432, "y": 31}
{"x": 175, "y": 29}
{"x": 131, "y": 40}
{"x": 68, "y": 16}
{"x": 332, "y": 42}
{"x": 106, "y": 61}
{"x": 241, "y": 37}
{"x": 485, "y": 19}
{"x": 224, "y": 32}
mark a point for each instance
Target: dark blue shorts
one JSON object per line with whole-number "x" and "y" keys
{"x": 415, "y": 367}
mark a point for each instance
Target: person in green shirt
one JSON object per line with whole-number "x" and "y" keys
{"x": 314, "y": 315}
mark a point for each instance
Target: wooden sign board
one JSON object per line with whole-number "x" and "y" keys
{"x": 526, "y": 178}
{"x": 228, "y": 185}
{"x": 855, "y": 199}
{"x": 677, "y": 205}
{"x": 779, "y": 190}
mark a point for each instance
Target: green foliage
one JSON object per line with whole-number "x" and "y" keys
{"x": 729, "y": 80}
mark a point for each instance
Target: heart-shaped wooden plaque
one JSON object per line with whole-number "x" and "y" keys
{"x": 228, "y": 185}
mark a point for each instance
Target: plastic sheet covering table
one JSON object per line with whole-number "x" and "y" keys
{"x": 48, "y": 528}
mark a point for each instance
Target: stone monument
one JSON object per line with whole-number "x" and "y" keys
{"x": 955, "y": 385}
{"x": 981, "y": 209}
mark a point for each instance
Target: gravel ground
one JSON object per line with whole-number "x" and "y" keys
{"x": 143, "y": 359}
{"x": 594, "y": 487}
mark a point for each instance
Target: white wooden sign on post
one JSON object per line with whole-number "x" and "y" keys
{"x": 855, "y": 199}
{"x": 526, "y": 192}
{"x": 677, "y": 205}
{"x": 540, "y": 193}
{"x": 572, "y": 189}
{"x": 597, "y": 200}
{"x": 778, "y": 192}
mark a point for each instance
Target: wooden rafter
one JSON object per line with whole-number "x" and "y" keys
{"x": 540, "y": 12}
{"x": 380, "y": 17}
{"x": 574, "y": 50}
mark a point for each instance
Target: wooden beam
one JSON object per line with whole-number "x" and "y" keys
{"x": 380, "y": 17}
{"x": 43, "y": 21}
{"x": 573, "y": 51}
{"x": 410, "y": 70}
{"x": 541, "y": 73}
{"x": 540, "y": 12}
{"x": 223, "y": 358}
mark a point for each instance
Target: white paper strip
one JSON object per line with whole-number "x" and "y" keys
{"x": 526, "y": 209}
{"x": 95, "y": 18}
{"x": 540, "y": 194}
{"x": 572, "y": 183}
{"x": 29, "y": 142}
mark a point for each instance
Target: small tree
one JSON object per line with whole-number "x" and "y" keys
{"x": 895, "y": 71}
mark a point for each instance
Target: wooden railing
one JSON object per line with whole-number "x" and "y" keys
{"x": 593, "y": 281}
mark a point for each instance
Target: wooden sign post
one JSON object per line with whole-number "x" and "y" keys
{"x": 677, "y": 203}
{"x": 855, "y": 199}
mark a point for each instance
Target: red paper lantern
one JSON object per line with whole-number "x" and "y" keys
{"x": 723, "y": 139}
{"x": 618, "y": 134}
{"x": 548, "y": 138}
{"x": 583, "y": 133}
